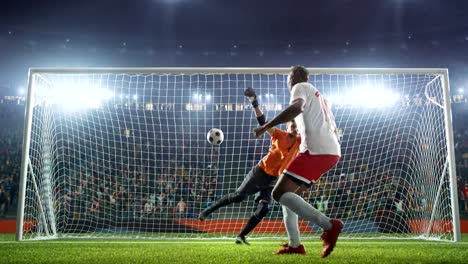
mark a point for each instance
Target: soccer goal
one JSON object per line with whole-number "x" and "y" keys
{"x": 122, "y": 153}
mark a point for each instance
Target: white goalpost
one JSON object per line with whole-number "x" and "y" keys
{"x": 122, "y": 153}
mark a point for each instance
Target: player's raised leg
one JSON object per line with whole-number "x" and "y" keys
{"x": 249, "y": 186}
{"x": 235, "y": 197}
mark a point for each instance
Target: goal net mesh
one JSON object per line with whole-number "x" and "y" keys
{"x": 126, "y": 156}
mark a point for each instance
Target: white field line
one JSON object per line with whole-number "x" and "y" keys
{"x": 231, "y": 242}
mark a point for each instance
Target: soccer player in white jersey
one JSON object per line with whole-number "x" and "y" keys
{"x": 318, "y": 153}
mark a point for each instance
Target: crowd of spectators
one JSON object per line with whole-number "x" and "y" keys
{"x": 176, "y": 192}
{"x": 11, "y": 123}
{"x": 460, "y": 117}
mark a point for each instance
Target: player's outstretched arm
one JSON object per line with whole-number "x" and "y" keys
{"x": 252, "y": 97}
{"x": 288, "y": 114}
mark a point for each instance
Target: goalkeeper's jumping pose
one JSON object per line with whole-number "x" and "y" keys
{"x": 261, "y": 179}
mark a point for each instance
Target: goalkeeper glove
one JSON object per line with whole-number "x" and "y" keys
{"x": 250, "y": 94}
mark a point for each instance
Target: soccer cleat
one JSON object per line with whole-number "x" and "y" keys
{"x": 330, "y": 237}
{"x": 242, "y": 240}
{"x": 204, "y": 214}
{"x": 286, "y": 249}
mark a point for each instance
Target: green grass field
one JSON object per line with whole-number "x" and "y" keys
{"x": 225, "y": 251}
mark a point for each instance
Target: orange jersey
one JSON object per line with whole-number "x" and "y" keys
{"x": 281, "y": 152}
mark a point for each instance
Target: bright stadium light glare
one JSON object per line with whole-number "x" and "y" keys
{"x": 373, "y": 97}
{"x": 367, "y": 96}
{"x": 207, "y": 97}
{"x": 335, "y": 99}
{"x": 21, "y": 91}
{"x": 135, "y": 97}
{"x": 461, "y": 91}
{"x": 77, "y": 96}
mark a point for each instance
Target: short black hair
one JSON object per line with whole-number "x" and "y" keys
{"x": 298, "y": 74}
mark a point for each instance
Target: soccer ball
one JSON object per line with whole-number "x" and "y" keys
{"x": 215, "y": 136}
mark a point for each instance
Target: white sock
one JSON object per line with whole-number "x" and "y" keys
{"x": 302, "y": 208}
{"x": 291, "y": 224}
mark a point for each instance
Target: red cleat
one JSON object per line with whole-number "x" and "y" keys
{"x": 330, "y": 237}
{"x": 286, "y": 249}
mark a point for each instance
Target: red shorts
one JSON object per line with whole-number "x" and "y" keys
{"x": 308, "y": 168}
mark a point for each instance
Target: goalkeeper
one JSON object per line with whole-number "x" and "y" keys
{"x": 261, "y": 179}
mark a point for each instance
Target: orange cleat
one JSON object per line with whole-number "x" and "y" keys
{"x": 330, "y": 237}
{"x": 286, "y": 249}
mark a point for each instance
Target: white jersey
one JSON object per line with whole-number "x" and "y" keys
{"x": 316, "y": 124}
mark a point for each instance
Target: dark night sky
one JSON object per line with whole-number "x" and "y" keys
{"x": 321, "y": 33}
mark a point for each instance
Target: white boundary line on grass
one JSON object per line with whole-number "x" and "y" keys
{"x": 230, "y": 242}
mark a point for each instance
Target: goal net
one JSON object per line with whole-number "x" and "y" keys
{"x": 123, "y": 153}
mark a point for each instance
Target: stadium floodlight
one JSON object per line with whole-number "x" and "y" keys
{"x": 461, "y": 91}
{"x": 76, "y": 96}
{"x": 366, "y": 96}
{"x": 396, "y": 178}
{"x": 135, "y": 97}
{"x": 207, "y": 97}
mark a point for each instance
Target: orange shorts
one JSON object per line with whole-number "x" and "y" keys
{"x": 308, "y": 168}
